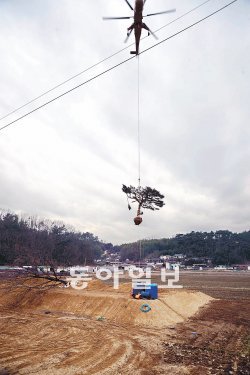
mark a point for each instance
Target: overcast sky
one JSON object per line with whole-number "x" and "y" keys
{"x": 68, "y": 161}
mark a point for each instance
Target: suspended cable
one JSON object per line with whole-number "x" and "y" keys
{"x": 96, "y": 64}
{"x": 190, "y": 26}
{"x": 181, "y": 16}
{"x": 66, "y": 92}
{"x": 140, "y": 253}
{"x": 63, "y": 83}
{"x": 117, "y": 65}
{"x": 138, "y": 122}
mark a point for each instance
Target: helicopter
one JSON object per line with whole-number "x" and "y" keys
{"x": 138, "y": 25}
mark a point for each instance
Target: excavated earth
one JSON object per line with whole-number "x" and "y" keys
{"x": 102, "y": 331}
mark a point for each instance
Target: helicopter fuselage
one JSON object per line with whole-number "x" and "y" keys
{"x": 138, "y": 10}
{"x": 137, "y": 25}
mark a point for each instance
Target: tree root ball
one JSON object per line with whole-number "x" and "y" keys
{"x": 137, "y": 220}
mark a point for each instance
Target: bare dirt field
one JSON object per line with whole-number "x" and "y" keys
{"x": 102, "y": 331}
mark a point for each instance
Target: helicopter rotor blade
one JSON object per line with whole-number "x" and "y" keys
{"x": 130, "y": 6}
{"x": 116, "y": 18}
{"x": 156, "y": 14}
{"x": 128, "y": 35}
{"x": 152, "y": 33}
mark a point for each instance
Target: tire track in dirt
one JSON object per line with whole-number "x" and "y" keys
{"x": 57, "y": 332}
{"x": 50, "y": 345}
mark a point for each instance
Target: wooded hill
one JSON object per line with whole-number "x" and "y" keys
{"x": 30, "y": 241}
{"x": 223, "y": 247}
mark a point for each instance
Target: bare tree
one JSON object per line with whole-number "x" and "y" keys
{"x": 37, "y": 248}
{"x": 31, "y": 278}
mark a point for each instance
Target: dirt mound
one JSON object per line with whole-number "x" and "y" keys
{"x": 58, "y": 332}
{"x": 125, "y": 288}
{"x": 101, "y": 300}
{"x": 96, "y": 284}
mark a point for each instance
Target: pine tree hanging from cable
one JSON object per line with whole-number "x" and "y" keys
{"x": 147, "y": 198}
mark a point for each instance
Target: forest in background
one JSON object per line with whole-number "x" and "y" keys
{"x": 222, "y": 247}
{"x": 32, "y": 241}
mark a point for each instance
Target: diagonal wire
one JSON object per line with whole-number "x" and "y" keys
{"x": 119, "y": 64}
{"x": 190, "y": 26}
{"x": 181, "y": 16}
{"x": 96, "y": 64}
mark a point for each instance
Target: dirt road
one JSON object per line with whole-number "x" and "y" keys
{"x": 38, "y": 337}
